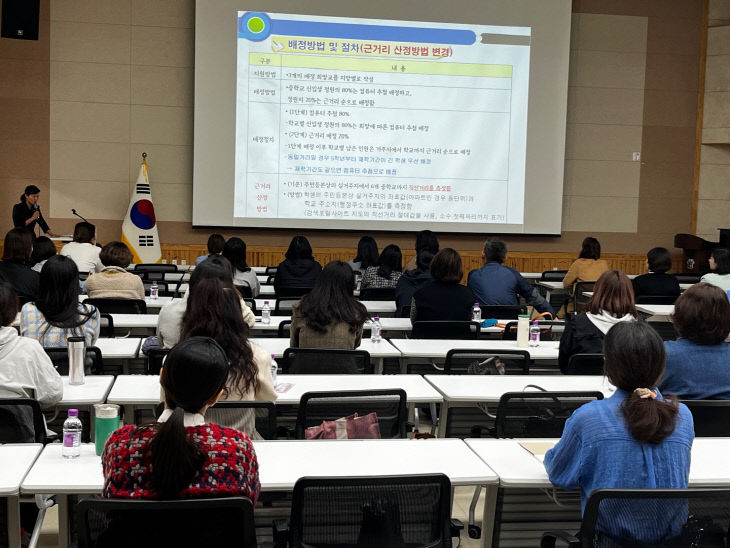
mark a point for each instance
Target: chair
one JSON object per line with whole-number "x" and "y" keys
{"x": 251, "y": 303}
{"x": 270, "y": 279}
{"x": 578, "y": 298}
{"x": 538, "y": 414}
{"x": 284, "y": 328}
{"x": 304, "y": 361}
{"x": 405, "y": 312}
{"x": 93, "y": 364}
{"x": 106, "y": 328}
{"x": 284, "y": 304}
{"x": 289, "y": 292}
{"x": 158, "y": 267}
{"x": 263, "y": 415}
{"x": 486, "y": 362}
{"x": 112, "y": 305}
{"x": 656, "y": 299}
{"x": 502, "y": 311}
{"x": 155, "y": 359}
{"x": 711, "y": 417}
{"x": 245, "y": 291}
{"x": 377, "y": 294}
{"x": 658, "y": 517}
{"x": 665, "y": 329}
{"x": 546, "y": 331}
{"x": 553, "y": 275}
{"x": 585, "y": 364}
{"x": 369, "y": 511}
{"x": 389, "y": 405}
{"x": 557, "y": 298}
{"x": 271, "y": 270}
{"x": 107, "y": 523}
{"x": 445, "y": 330}
{"x": 21, "y": 421}
{"x": 688, "y": 277}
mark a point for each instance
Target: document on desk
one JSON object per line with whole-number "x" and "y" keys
{"x": 538, "y": 448}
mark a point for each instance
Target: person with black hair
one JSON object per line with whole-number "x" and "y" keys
{"x": 589, "y": 265}
{"x": 413, "y": 280}
{"x": 57, "y": 313}
{"x": 657, "y": 282}
{"x": 214, "y": 246}
{"x": 15, "y": 266}
{"x": 43, "y": 249}
{"x": 114, "y": 281}
{"x": 720, "y": 267}
{"x": 235, "y": 251}
{"x": 497, "y": 284}
{"x": 367, "y": 254}
{"x": 425, "y": 241}
{"x": 27, "y": 214}
{"x": 83, "y": 250}
{"x": 635, "y": 439}
{"x": 387, "y": 270}
{"x": 298, "y": 269}
{"x": 182, "y": 455}
{"x": 444, "y": 299}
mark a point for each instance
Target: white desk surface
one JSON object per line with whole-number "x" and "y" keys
{"x": 416, "y": 388}
{"x": 656, "y": 309}
{"x": 51, "y": 473}
{"x": 374, "y": 307}
{"x": 135, "y": 390}
{"x": 259, "y": 269}
{"x": 119, "y": 348}
{"x": 157, "y": 303}
{"x": 15, "y": 461}
{"x": 128, "y": 321}
{"x": 282, "y": 463}
{"x": 437, "y": 348}
{"x": 94, "y": 390}
{"x": 470, "y": 388}
{"x": 552, "y": 286}
{"x": 277, "y": 345}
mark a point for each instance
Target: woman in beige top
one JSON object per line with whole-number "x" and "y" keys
{"x": 588, "y": 267}
{"x": 114, "y": 280}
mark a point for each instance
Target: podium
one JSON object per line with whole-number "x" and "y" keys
{"x": 696, "y": 250}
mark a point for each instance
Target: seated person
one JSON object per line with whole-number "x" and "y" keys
{"x": 43, "y": 249}
{"x": 612, "y": 303}
{"x": 170, "y": 321}
{"x": 329, "y": 316}
{"x": 215, "y": 311}
{"x": 425, "y": 241}
{"x": 411, "y": 281}
{"x": 386, "y": 271}
{"x": 698, "y": 363}
{"x": 15, "y": 267}
{"x": 720, "y": 267}
{"x": 83, "y": 250}
{"x": 497, "y": 284}
{"x": 57, "y": 313}
{"x": 298, "y": 269}
{"x": 26, "y": 370}
{"x": 215, "y": 247}
{"x": 114, "y": 280}
{"x": 657, "y": 282}
{"x": 182, "y": 455}
{"x": 444, "y": 298}
{"x": 587, "y": 268}
{"x": 243, "y": 275}
{"x": 634, "y": 439}
{"x": 367, "y": 255}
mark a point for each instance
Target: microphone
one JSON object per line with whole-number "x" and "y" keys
{"x": 79, "y": 216}
{"x": 36, "y": 207}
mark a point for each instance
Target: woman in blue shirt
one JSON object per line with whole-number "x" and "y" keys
{"x": 634, "y": 439}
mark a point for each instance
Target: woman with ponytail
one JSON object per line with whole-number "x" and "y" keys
{"x": 635, "y": 439}
{"x": 181, "y": 455}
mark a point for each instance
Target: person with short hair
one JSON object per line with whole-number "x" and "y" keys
{"x": 587, "y": 268}
{"x": 698, "y": 362}
{"x": 15, "y": 266}
{"x": 83, "y": 250}
{"x": 386, "y": 271}
{"x": 496, "y": 284}
{"x": 27, "y": 214}
{"x": 636, "y": 439}
{"x": 425, "y": 241}
{"x": 411, "y": 281}
{"x": 114, "y": 281}
{"x": 215, "y": 247}
{"x": 444, "y": 299}
{"x": 367, "y": 255}
{"x": 720, "y": 267}
{"x": 298, "y": 269}
{"x": 612, "y": 303}
{"x": 235, "y": 251}
{"x": 182, "y": 455}
{"x": 657, "y": 282}
{"x": 43, "y": 249}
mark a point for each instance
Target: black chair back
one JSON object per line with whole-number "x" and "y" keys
{"x": 389, "y": 405}
{"x": 688, "y": 277}
{"x": 711, "y": 417}
{"x": 270, "y": 279}
{"x": 405, "y": 312}
{"x": 553, "y": 275}
{"x": 547, "y": 333}
{"x": 271, "y": 270}
{"x": 247, "y": 416}
{"x": 370, "y": 511}
{"x": 656, "y": 299}
{"x": 106, "y": 326}
{"x": 245, "y": 291}
{"x": 502, "y": 311}
{"x": 377, "y": 294}
{"x": 538, "y": 414}
{"x": 284, "y": 328}
{"x": 585, "y": 364}
{"x": 117, "y": 523}
{"x": 578, "y": 298}
{"x": 251, "y": 303}
{"x": 486, "y": 362}
{"x": 93, "y": 364}
{"x": 284, "y": 304}
{"x": 118, "y": 306}
{"x": 289, "y": 292}
{"x": 155, "y": 267}
{"x": 21, "y": 421}
{"x": 155, "y": 359}
{"x": 445, "y": 330}
{"x": 305, "y": 361}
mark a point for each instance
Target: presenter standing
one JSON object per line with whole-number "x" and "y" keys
{"x": 27, "y": 214}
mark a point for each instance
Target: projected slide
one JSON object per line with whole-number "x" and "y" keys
{"x": 361, "y": 119}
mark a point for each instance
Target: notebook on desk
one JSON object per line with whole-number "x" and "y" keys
{"x": 538, "y": 448}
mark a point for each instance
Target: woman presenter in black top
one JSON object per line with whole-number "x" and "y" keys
{"x": 27, "y": 214}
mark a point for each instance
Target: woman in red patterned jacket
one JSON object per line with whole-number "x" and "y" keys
{"x": 182, "y": 456}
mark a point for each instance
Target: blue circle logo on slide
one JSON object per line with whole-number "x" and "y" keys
{"x": 143, "y": 214}
{"x": 254, "y": 26}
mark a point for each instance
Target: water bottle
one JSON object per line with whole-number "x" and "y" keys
{"x": 375, "y": 330}
{"x": 534, "y": 334}
{"x": 266, "y": 313}
{"x": 476, "y": 313}
{"x": 153, "y": 291}
{"x": 71, "y": 435}
{"x": 274, "y": 369}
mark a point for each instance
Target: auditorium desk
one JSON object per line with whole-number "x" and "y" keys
{"x": 83, "y": 396}
{"x": 374, "y": 307}
{"x": 661, "y": 310}
{"x": 119, "y": 349}
{"x": 15, "y": 462}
